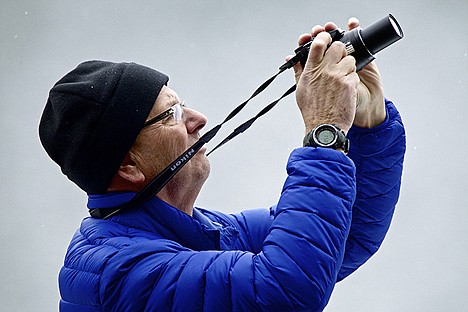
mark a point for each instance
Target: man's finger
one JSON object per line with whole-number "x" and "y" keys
{"x": 348, "y": 63}
{"x": 316, "y": 30}
{"x": 330, "y": 26}
{"x": 318, "y": 48}
{"x": 336, "y": 52}
{"x": 297, "y": 68}
{"x": 353, "y": 23}
{"x": 303, "y": 39}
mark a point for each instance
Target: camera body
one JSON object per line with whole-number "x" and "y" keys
{"x": 361, "y": 43}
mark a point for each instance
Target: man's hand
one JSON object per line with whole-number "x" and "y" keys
{"x": 370, "y": 106}
{"x": 327, "y": 85}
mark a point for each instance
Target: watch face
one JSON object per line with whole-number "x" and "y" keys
{"x": 326, "y": 136}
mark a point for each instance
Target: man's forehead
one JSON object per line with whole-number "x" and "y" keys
{"x": 166, "y": 98}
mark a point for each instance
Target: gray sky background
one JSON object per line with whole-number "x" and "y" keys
{"x": 217, "y": 53}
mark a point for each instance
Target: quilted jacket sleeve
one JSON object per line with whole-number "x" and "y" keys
{"x": 296, "y": 268}
{"x": 378, "y": 155}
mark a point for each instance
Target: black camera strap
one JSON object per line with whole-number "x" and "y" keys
{"x": 249, "y": 122}
{"x": 153, "y": 187}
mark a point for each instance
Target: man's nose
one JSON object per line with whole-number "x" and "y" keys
{"x": 194, "y": 120}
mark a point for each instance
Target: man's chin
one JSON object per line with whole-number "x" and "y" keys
{"x": 202, "y": 150}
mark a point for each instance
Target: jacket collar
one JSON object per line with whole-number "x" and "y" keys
{"x": 158, "y": 217}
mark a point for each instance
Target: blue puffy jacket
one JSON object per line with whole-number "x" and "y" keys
{"x": 332, "y": 215}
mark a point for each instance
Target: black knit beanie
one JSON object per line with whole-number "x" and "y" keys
{"x": 93, "y": 116}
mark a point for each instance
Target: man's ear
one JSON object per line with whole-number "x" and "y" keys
{"x": 130, "y": 172}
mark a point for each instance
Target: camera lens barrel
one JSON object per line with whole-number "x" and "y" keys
{"x": 381, "y": 34}
{"x": 364, "y": 43}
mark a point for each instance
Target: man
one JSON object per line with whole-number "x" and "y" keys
{"x": 113, "y": 127}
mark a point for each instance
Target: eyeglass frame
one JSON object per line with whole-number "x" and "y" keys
{"x": 170, "y": 111}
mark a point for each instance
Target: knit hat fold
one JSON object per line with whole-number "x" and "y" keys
{"x": 93, "y": 116}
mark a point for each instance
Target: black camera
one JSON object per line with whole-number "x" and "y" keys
{"x": 361, "y": 43}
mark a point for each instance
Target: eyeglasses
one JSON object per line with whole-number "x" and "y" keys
{"x": 176, "y": 111}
